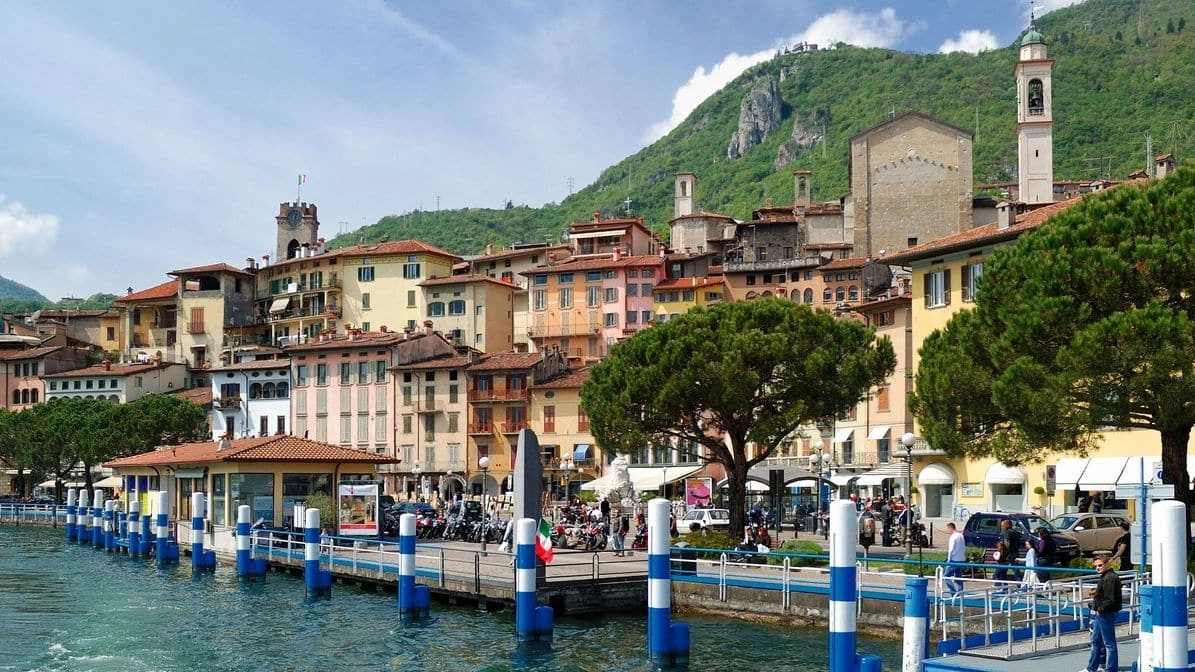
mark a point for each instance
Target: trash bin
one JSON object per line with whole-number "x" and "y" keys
{"x": 684, "y": 560}
{"x": 811, "y": 524}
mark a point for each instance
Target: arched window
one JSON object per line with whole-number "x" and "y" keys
{"x": 33, "y": 396}
{"x": 828, "y": 295}
{"x": 1037, "y": 99}
{"x": 435, "y": 309}
{"x": 267, "y": 391}
{"x": 456, "y": 307}
{"x": 809, "y": 296}
{"x": 853, "y": 292}
{"x": 283, "y": 391}
{"x": 114, "y": 399}
{"x": 255, "y": 391}
{"x": 840, "y": 294}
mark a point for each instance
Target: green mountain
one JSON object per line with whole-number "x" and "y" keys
{"x": 1123, "y": 68}
{"x": 10, "y": 290}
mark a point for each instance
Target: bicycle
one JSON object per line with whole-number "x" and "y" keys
{"x": 961, "y": 513}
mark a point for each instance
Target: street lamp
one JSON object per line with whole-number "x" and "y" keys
{"x": 824, "y": 463}
{"x": 415, "y": 471}
{"x": 484, "y": 463}
{"x": 566, "y": 466}
{"x": 908, "y": 441}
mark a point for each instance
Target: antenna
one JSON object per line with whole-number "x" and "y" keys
{"x": 569, "y": 181}
{"x": 1149, "y": 155}
{"x": 627, "y": 205}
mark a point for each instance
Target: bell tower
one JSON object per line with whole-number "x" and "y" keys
{"x": 298, "y": 230}
{"x": 1035, "y": 121}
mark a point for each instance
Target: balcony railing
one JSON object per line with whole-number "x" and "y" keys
{"x": 512, "y": 427}
{"x": 549, "y": 331}
{"x": 499, "y": 395}
{"x": 481, "y": 428}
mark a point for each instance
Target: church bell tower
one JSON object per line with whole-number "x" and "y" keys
{"x": 298, "y": 230}
{"x": 1035, "y": 121}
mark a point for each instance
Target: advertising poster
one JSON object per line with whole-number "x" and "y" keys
{"x": 698, "y": 491}
{"x": 358, "y": 507}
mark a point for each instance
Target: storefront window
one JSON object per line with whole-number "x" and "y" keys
{"x": 218, "y": 513}
{"x": 256, "y": 490}
{"x": 297, "y": 488}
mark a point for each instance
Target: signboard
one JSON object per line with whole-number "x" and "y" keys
{"x": 358, "y": 509}
{"x": 1157, "y": 471}
{"x": 697, "y": 491}
{"x": 1151, "y": 492}
{"x": 1051, "y": 479}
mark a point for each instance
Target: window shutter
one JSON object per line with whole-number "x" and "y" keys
{"x": 926, "y": 289}
{"x": 945, "y": 286}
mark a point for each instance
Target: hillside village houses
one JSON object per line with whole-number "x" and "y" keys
{"x": 434, "y": 360}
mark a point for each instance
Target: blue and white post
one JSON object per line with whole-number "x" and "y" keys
{"x": 317, "y": 581}
{"x": 134, "y": 528}
{"x": 83, "y": 528}
{"x": 1169, "y": 551}
{"x": 916, "y": 623}
{"x": 97, "y": 521}
{"x": 146, "y": 534}
{"x": 532, "y": 623}
{"x": 1145, "y": 635}
{"x": 71, "y": 495}
{"x": 248, "y": 567}
{"x": 667, "y": 642}
{"x": 201, "y": 560}
{"x": 166, "y": 553}
{"x": 109, "y": 525}
{"x": 844, "y": 538}
{"x": 414, "y": 601}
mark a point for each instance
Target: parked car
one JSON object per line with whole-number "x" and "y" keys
{"x": 705, "y": 519}
{"x": 983, "y": 531}
{"x": 1094, "y": 531}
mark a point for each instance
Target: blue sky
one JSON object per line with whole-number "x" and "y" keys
{"x": 143, "y": 137}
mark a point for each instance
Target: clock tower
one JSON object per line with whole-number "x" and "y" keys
{"x": 1035, "y": 121}
{"x": 298, "y": 228}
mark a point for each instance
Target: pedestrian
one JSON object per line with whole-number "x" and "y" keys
{"x": 605, "y": 510}
{"x": 1105, "y": 605}
{"x": 1030, "y": 580}
{"x": 620, "y": 532}
{"x": 1010, "y": 541}
{"x": 956, "y": 551}
{"x": 1120, "y": 549}
{"x": 1046, "y": 550}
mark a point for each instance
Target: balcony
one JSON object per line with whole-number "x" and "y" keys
{"x": 228, "y": 402}
{"x": 426, "y": 406}
{"x": 555, "y": 330}
{"x": 499, "y": 395}
{"x": 481, "y": 428}
{"x": 512, "y": 427}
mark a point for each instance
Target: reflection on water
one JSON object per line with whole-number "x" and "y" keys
{"x": 69, "y": 607}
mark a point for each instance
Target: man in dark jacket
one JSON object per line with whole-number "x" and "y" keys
{"x": 1105, "y": 604}
{"x": 1010, "y": 539}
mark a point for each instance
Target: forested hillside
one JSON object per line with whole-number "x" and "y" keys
{"x": 1123, "y": 68}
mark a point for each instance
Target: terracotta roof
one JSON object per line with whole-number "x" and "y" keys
{"x": 120, "y": 369}
{"x": 438, "y": 363}
{"x": 702, "y": 214}
{"x": 254, "y": 365}
{"x": 196, "y": 395}
{"x": 882, "y": 304}
{"x": 519, "y": 252}
{"x": 506, "y": 361}
{"x": 366, "y": 339}
{"x": 70, "y": 314}
{"x": 395, "y": 247}
{"x": 463, "y": 279}
{"x": 602, "y": 225}
{"x": 261, "y": 449}
{"x": 688, "y": 283}
{"x": 166, "y": 290}
{"x": 596, "y": 263}
{"x": 979, "y": 235}
{"x": 843, "y": 264}
{"x": 570, "y": 380}
{"x": 211, "y": 268}
{"x": 28, "y": 353}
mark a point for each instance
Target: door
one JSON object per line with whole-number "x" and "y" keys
{"x": 945, "y": 501}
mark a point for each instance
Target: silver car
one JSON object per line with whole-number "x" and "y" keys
{"x": 1093, "y": 531}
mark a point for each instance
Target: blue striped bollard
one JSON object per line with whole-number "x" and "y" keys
{"x": 406, "y": 566}
{"x": 1169, "y": 550}
{"x": 167, "y": 552}
{"x": 844, "y": 536}
{"x": 146, "y": 526}
{"x": 317, "y": 581}
{"x": 71, "y": 496}
{"x": 248, "y": 567}
{"x": 532, "y": 623}
{"x": 916, "y": 644}
{"x": 83, "y": 523}
{"x": 667, "y": 642}
{"x": 134, "y": 528}
{"x": 109, "y": 525}
{"x": 201, "y": 560}
{"x": 1145, "y": 638}
{"x": 97, "y": 521}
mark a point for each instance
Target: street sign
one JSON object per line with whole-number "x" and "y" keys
{"x": 1051, "y": 479}
{"x": 1148, "y": 492}
{"x": 1157, "y": 471}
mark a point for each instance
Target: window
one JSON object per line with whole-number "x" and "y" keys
{"x": 379, "y": 371}
{"x": 610, "y": 274}
{"x": 111, "y": 333}
{"x": 884, "y": 318}
{"x": 454, "y": 422}
{"x": 565, "y": 278}
{"x": 645, "y": 289}
{"x": 632, "y": 289}
{"x": 363, "y": 372}
{"x": 687, "y": 295}
{"x": 301, "y": 375}
{"x": 592, "y": 295}
{"x": 321, "y": 374}
{"x": 611, "y": 319}
{"x": 365, "y": 301}
{"x": 853, "y": 293}
{"x": 456, "y": 307}
{"x": 937, "y": 288}
{"x": 410, "y": 270}
{"x": 263, "y": 425}
{"x": 971, "y": 276}
{"x": 632, "y": 317}
{"x": 408, "y": 422}
{"x": 611, "y": 294}
{"x": 582, "y": 420}
{"x": 761, "y": 253}
{"x": 788, "y": 252}
{"x": 808, "y": 296}
{"x": 454, "y": 393}
{"x": 1037, "y": 101}
{"x": 407, "y": 391}
{"x": 549, "y": 419}
{"x": 840, "y": 294}
{"x": 539, "y": 299}
{"x": 566, "y": 297}
{"x": 750, "y": 280}
{"x": 365, "y": 274}
{"x": 882, "y": 399}
{"x": 435, "y": 309}
{"x": 593, "y": 276}
{"x": 346, "y": 373}
{"x": 196, "y": 325}
{"x": 646, "y": 315}
{"x": 540, "y": 279}
{"x": 411, "y": 302}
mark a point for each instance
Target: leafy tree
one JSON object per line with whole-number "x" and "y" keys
{"x": 740, "y": 373}
{"x": 1083, "y": 325}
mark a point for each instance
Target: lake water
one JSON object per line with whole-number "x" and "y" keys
{"x": 70, "y": 607}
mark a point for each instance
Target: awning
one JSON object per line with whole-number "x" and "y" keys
{"x": 884, "y": 472}
{"x": 1102, "y": 473}
{"x": 280, "y": 304}
{"x": 752, "y": 485}
{"x": 843, "y": 434}
{"x": 190, "y": 473}
{"x": 645, "y": 479}
{"x": 583, "y": 451}
{"x": 598, "y": 234}
{"x": 937, "y": 473}
{"x": 1003, "y": 474}
{"x": 72, "y": 484}
{"x": 1068, "y": 471}
{"x": 878, "y": 433}
{"x": 843, "y": 479}
{"x": 805, "y": 483}
{"x": 110, "y": 482}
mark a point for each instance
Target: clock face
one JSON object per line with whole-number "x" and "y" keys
{"x": 294, "y": 218}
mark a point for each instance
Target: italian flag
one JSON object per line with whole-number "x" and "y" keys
{"x": 543, "y": 541}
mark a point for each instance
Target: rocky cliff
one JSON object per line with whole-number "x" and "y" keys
{"x": 759, "y": 118}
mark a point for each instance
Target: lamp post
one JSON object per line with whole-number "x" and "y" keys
{"x": 566, "y": 466}
{"x": 484, "y": 463}
{"x": 908, "y": 441}
{"x": 824, "y": 465}
{"x": 416, "y": 471}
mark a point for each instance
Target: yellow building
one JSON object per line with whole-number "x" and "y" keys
{"x": 680, "y": 295}
{"x": 570, "y": 456}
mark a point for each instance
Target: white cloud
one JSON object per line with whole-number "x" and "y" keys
{"x": 1041, "y": 7}
{"x": 22, "y": 231}
{"x": 862, "y": 29}
{"x": 971, "y": 41}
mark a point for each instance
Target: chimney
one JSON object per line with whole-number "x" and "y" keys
{"x": 107, "y": 365}
{"x": 158, "y": 357}
{"x": 384, "y": 330}
{"x": 617, "y": 253}
{"x": 224, "y": 444}
{"x": 265, "y": 260}
{"x": 1005, "y": 216}
{"x": 489, "y": 248}
{"x": 801, "y": 184}
{"x": 597, "y": 217}
{"x": 427, "y": 327}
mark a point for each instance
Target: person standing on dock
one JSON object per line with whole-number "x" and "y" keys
{"x": 1105, "y": 605}
{"x": 1010, "y": 539}
{"x": 956, "y": 551}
